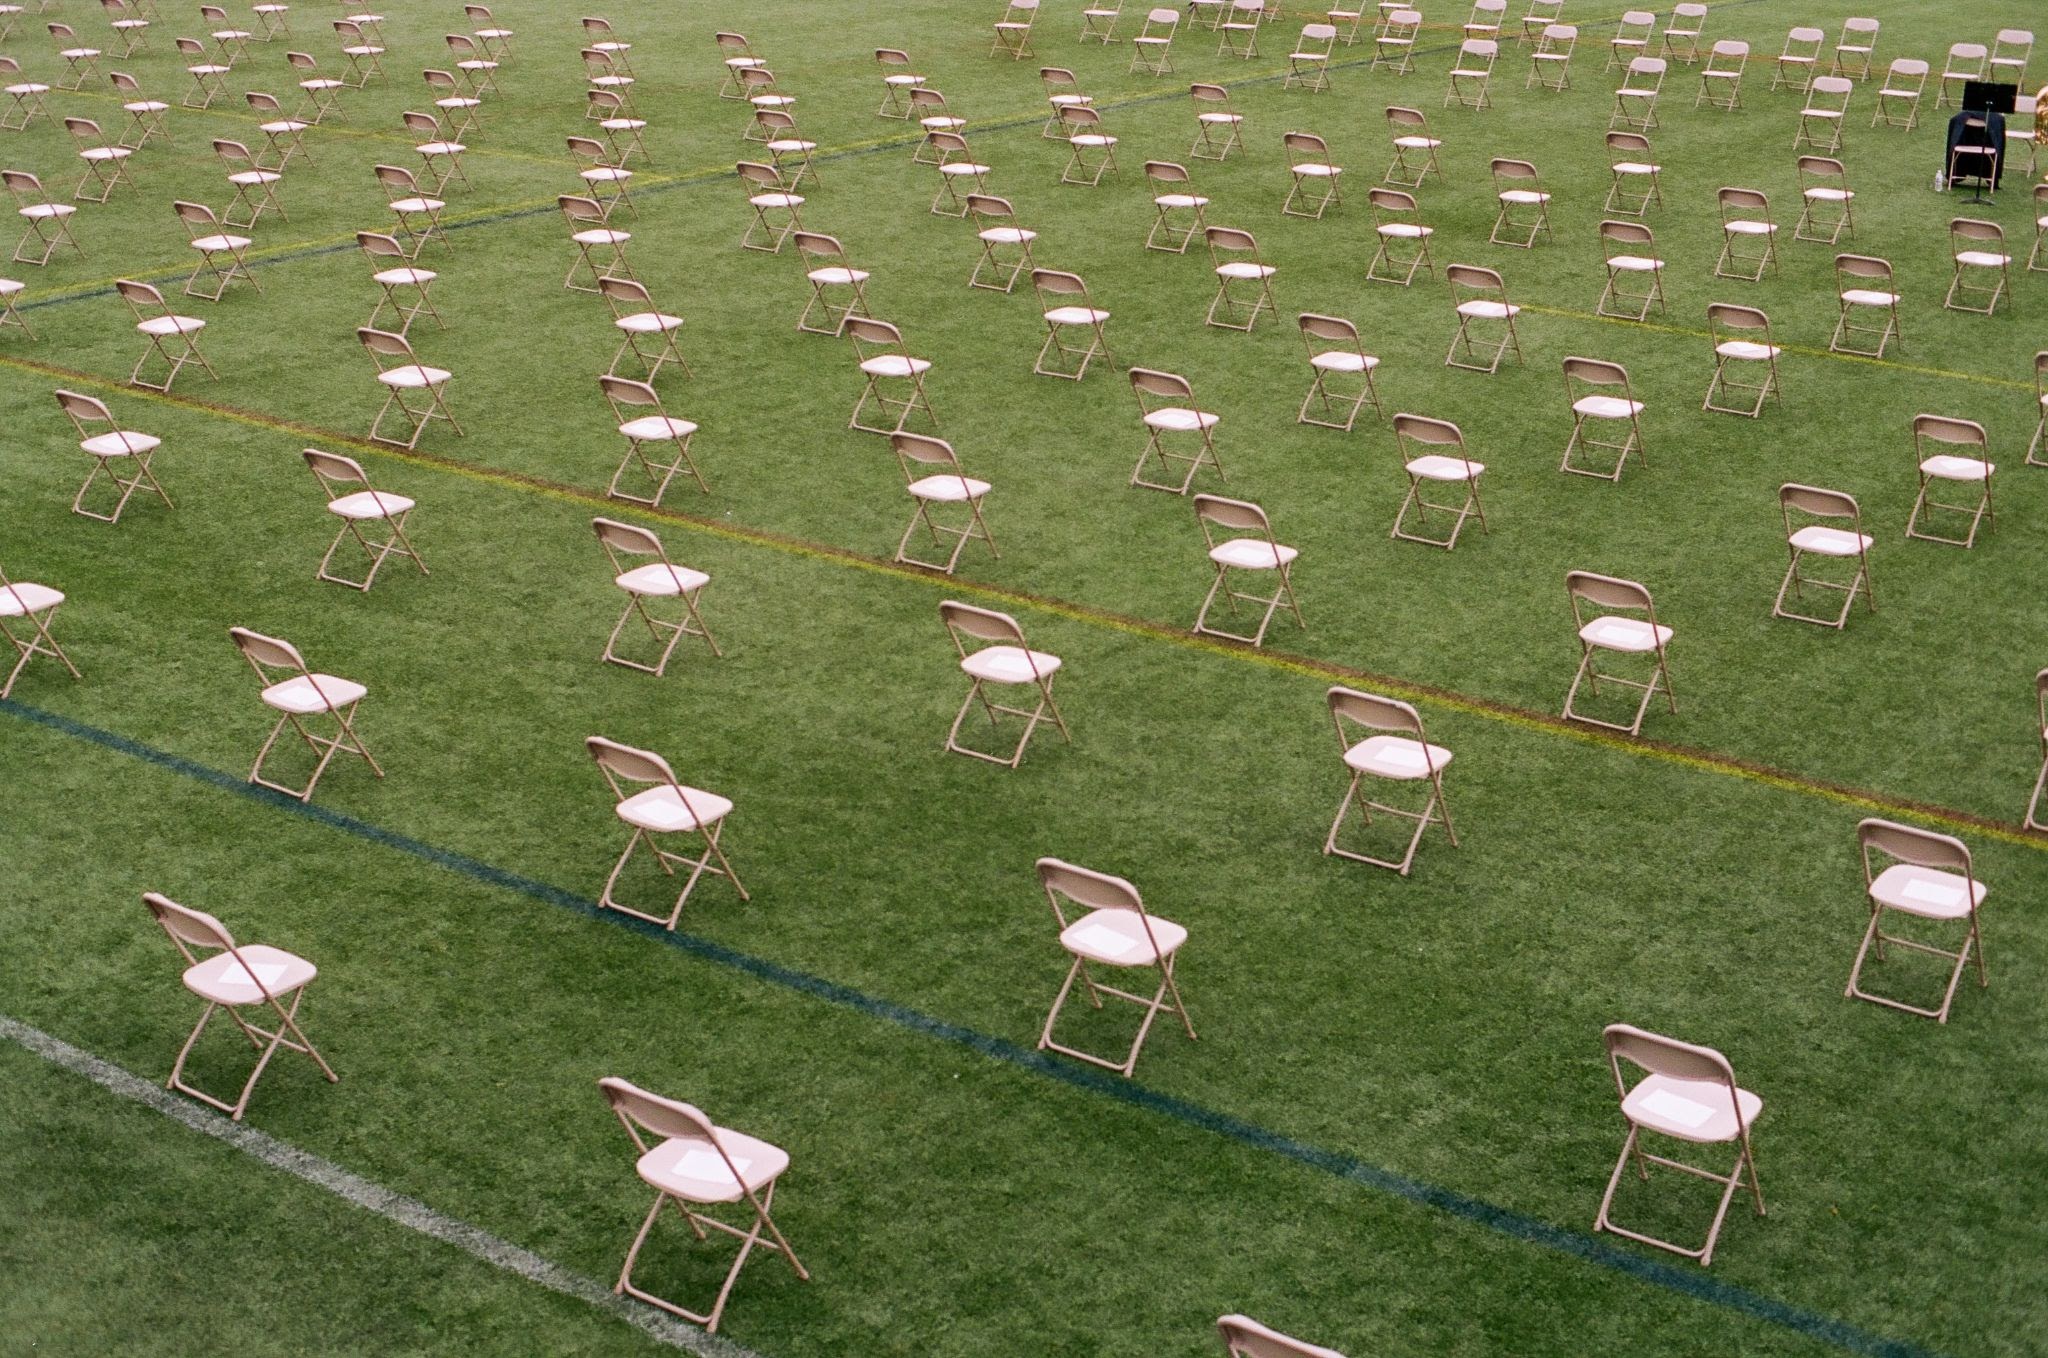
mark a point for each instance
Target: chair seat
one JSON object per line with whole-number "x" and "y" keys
{"x": 661, "y": 580}
{"x": 458, "y": 101}
{"x": 895, "y": 365}
{"x": 1008, "y": 235}
{"x": 903, "y": 80}
{"x": 1091, "y": 139}
{"x": 1523, "y": 196}
{"x": 649, "y": 323}
{"x": 221, "y": 979}
{"x": 244, "y": 178}
{"x": 832, "y": 274}
{"x": 28, "y": 87}
{"x": 208, "y": 68}
{"x": 1624, "y": 634}
{"x": 404, "y": 278}
{"x": 1828, "y": 195}
{"x": 1219, "y": 117}
{"x": 362, "y": 50}
{"x": 1075, "y": 315}
{"x": 1396, "y": 757}
{"x": 414, "y": 375}
{"x": 114, "y": 153}
{"x": 1827, "y": 541}
{"x": 1477, "y": 73}
{"x": 772, "y": 100}
{"x": 1009, "y": 665}
{"x": 657, "y": 427}
{"x": 1319, "y": 171}
{"x": 209, "y": 245}
{"x": 1405, "y": 230}
{"x": 310, "y": 86}
{"x": 78, "y": 53}
{"x": 1437, "y": 467}
{"x": 171, "y": 325}
{"x": 786, "y": 144}
{"x": 1117, "y": 938}
{"x": 1417, "y": 143}
{"x": 1252, "y": 554}
{"x": 1691, "y": 1110}
{"x": 1634, "y": 167}
{"x": 1181, "y": 200}
{"x": 1344, "y": 361}
{"x": 1481, "y": 309}
{"x": 777, "y": 200}
{"x": 1746, "y": 349}
{"x": 24, "y": 597}
{"x": 370, "y": 504}
{"x": 1245, "y": 269}
{"x": 602, "y": 236}
{"x": 10, "y": 286}
{"x": 941, "y": 122}
{"x": 602, "y": 82}
{"x": 1983, "y": 258}
{"x": 948, "y": 488}
{"x": 1180, "y": 419}
{"x": 1607, "y": 407}
{"x": 439, "y": 148}
{"x": 604, "y": 174}
{"x": 1306, "y": 56}
{"x": 695, "y": 1172}
{"x": 47, "y": 210}
{"x": 476, "y": 64}
{"x": 303, "y": 693}
{"x": 1069, "y": 100}
{"x": 631, "y": 125}
{"x": 1927, "y": 892}
{"x": 662, "y": 810}
{"x": 1949, "y": 467}
{"x": 1820, "y": 113}
{"x": 745, "y": 63}
{"x": 1634, "y": 263}
{"x": 1748, "y": 228}
{"x": 123, "y": 443}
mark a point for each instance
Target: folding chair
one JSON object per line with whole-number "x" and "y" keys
{"x": 696, "y": 1164}
{"x": 1979, "y": 248}
{"x": 2036, "y": 445}
{"x": 302, "y": 698}
{"x": 897, "y": 82}
{"x": 641, "y": 432}
{"x": 1180, "y": 209}
{"x": 1828, "y": 201}
{"x": 1682, "y": 32}
{"x": 917, "y": 455}
{"x": 2010, "y": 52}
{"x": 636, "y": 317}
{"x": 1414, "y": 148}
{"x": 1810, "y": 515}
{"x": 145, "y": 115}
{"x": 105, "y": 164}
{"x": 599, "y": 37}
{"x": 998, "y": 657}
{"x": 1550, "y": 60}
{"x": 1635, "y": 101}
{"x": 1854, "y": 52}
{"x": 1348, "y": 17}
{"x": 365, "y": 58}
{"x": 1212, "y": 10}
{"x": 254, "y": 186}
{"x": 1746, "y": 225}
{"x": 1152, "y": 48}
{"x": 1393, "y": 47}
{"x": 1967, "y": 61}
{"x": 1005, "y": 246}
{"x": 1735, "y": 355}
{"x": 1166, "y": 407}
{"x": 1110, "y": 927}
{"x": 1721, "y": 77}
{"x": 894, "y": 377}
{"x": 1068, "y": 310}
{"x": 1403, "y": 239}
{"x": 1614, "y": 630}
{"x": 1689, "y": 1094}
{"x": 27, "y": 96}
{"x": 1244, "y": 281}
{"x": 232, "y": 977}
{"x": 274, "y": 21}
{"x": 1308, "y": 65}
{"x": 957, "y": 167}
{"x": 48, "y": 223}
{"x": 496, "y": 38}
{"x": 1864, "y": 284}
{"x": 337, "y": 477}
{"x": 738, "y": 55}
{"x": 462, "y": 110}
{"x": 172, "y": 338}
{"x": 1956, "y": 468}
{"x": 1930, "y": 877}
{"x": 480, "y": 71}
{"x": 1257, "y": 551}
{"x": 838, "y": 290}
{"x": 662, "y": 808}
{"x": 1239, "y": 29}
{"x": 2023, "y": 135}
{"x": 788, "y": 150}
{"x": 1091, "y": 151}
{"x": 9, "y": 315}
{"x": 1638, "y": 179}
{"x": 284, "y": 135}
{"x": 372, "y": 25}
{"x": 1601, "y": 400}
{"x": 1472, "y": 73}
{"x": 1630, "y": 251}
{"x": 607, "y": 184}
{"x": 213, "y": 244}
{"x": 643, "y": 582}
{"x": 25, "y": 602}
{"x": 1098, "y": 20}
{"x": 1334, "y": 348}
{"x": 1244, "y": 1337}
{"x": 1825, "y": 114}
{"x": 777, "y": 211}
{"x": 400, "y": 372}
{"x": 233, "y": 42}
{"x": 1415, "y": 436}
{"x": 1900, "y": 93}
{"x": 929, "y": 108}
{"x": 1013, "y": 30}
{"x": 1315, "y": 185}
{"x": 1486, "y": 19}
{"x": 132, "y": 30}
{"x": 111, "y": 449}
{"x": 1631, "y": 38}
{"x": 1383, "y": 738}
{"x": 1524, "y": 205}
{"x": 2033, "y": 818}
{"x": 600, "y": 249}
{"x": 323, "y": 92}
{"x": 416, "y": 214}
{"x": 1062, "y": 88}
{"x": 1479, "y": 297}
{"x": 1799, "y": 60}
{"x": 80, "y": 62}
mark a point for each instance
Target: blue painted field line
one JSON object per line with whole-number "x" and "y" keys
{"x": 1694, "y": 1283}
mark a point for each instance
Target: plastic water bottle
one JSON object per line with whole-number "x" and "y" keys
{"x": 1940, "y": 181}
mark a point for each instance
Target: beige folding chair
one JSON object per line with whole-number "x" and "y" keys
{"x": 1062, "y": 88}
{"x": 1091, "y": 152}
{"x": 1605, "y": 415}
{"x": 928, "y": 106}
{"x": 1479, "y": 299}
{"x": 788, "y": 150}
{"x": 610, "y": 185}
{"x": 232, "y": 977}
{"x": 894, "y": 377}
{"x": 648, "y": 582}
{"x": 1864, "y": 284}
{"x": 1166, "y": 407}
{"x": 1472, "y": 74}
{"x": 1825, "y": 114}
{"x": 1979, "y": 251}
{"x": 599, "y": 36}
{"x": 607, "y": 108}
{"x": 10, "y": 288}
{"x": 112, "y": 450}
{"x": 1414, "y": 148}
{"x": 1635, "y": 274}
{"x": 1637, "y": 177}
{"x": 145, "y": 115}
{"x": 897, "y": 81}
{"x": 1417, "y": 441}
{"x": 1244, "y": 1337}
{"x": 777, "y": 212}
{"x": 1068, "y": 311}
{"x": 838, "y": 290}
{"x": 663, "y": 807}
{"x": 1349, "y": 16}
{"x": 1721, "y": 77}
{"x": 480, "y": 71}
{"x": 1955, "y": 453}
{"x": 284, "y": 136}
{"x": 1393, "y": 47}
{"x": 994, "y": 654}
{"x": 1335, "y": 350}
{"x": 1244, "y": 281}
{"x": 1383, "y": 738}
{"x": 1308, "y": 65}
{"x": 644, "y": 431}
{"x": 1635, "y": 100}
{"x": 411, "y": 388}
{"x": 2010, "y": 52}
{"x": 1811, "y": 515}
{"x": 650, "y": 333}
{"x": 2022, "y": 137}
{"x": 496, "y": 38}
{"x": 1258, "y": 550}
{"x": 1013, "y": 30}
{"x": 1486, "y": 19}
{"x": 1689, "y": 1094}
{"x": 1550, "y": 60}
{"x": 1524, "y": 205}
{"x": 1218, "y": 127}
{"x": 1749, "y": 238}
{"x": 49, "y": 223}
{"x": 27, "y": 96}
{"x": 2033, "y": 817}
{"x": 80, "y": 62}
{"x": 1853, "y": 54}
{"x": 127, "y": 25}
{"x": 1828, "y": 203}
{"x": 1631, "y": 38}
{"x": 600, "y": 248}
{"x": 232, "y": 41}
{"x": 254, "y": 186}
{"x": 302, "y": 698}
{"x": 351, "y": 498}
{"x": 463, "y": 110}
{"x": 2039, "y": 443}
{"x": 371, "y": 24}
{"x": 1967, "y": 61}
{"x": 960, "y": 174}
{"x": 1403, "y": 239}
{"x": 1098, "y": 20}
{"x": 1799, "y": 61}
{"x": 1237, "y": 28}
{"x": 738, "y": 55}
{"x": 694, "y": 1164}
{"x": 1615, "y": 630}
{"x": 918, "y": 456}
{"x": 1741, "y": 337}
{"x": 172, "y": 338}
{"x": 1005, "y": 246}
{"x": 1929, "y": 877}
{"x": 1682, "y": 32}
{"x": 404, "y": 286}
{"x": 25, "y": 603}
{"x": 213, "y": 244}
{"x": 1109, "y": 927}
{"x": 1152, "y": 48}
{"x": 1900, "y": 94}
{"x": 323, "y": 92}
{"x": 1180, "y": 209}
{"x": 1315, "y": 178}
{"x": 365, "y": 58}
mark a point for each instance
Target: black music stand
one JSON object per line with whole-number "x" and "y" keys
{"x": 1985, "y": 103}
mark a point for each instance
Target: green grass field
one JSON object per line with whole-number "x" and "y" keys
{"x": 873, "y": 1007}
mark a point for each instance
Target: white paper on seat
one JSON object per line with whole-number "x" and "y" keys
{"x": 1104, "y": 939}
{"x": 266, "y": 972}
{"x": 1677, "y": 1108}
{"x": 1407, "y": 756}
{"x": 1932, "y": 893}
{"x": 708, "y": 1164}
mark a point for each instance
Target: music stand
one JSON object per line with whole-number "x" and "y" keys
{"x": 1985, "y": 98}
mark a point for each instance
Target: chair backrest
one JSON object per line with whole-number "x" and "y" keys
{"x": 1209, "y": 94}
{"x": 1964, "y": 56}
{"x": 625, "y": 763}
{"x": 1691, "y": 11}
{"x": 1559, "y": 37}
{"x": 1911, "y": 844}
{"x": 1904, "y": 68}
{"x": 1631, "y": 146}
{"x": 596, "y": 27}
{"x": 1972, "y": 230}
{"x": 628, "y": 296}
{"x": 2041, "y": 371}
{"x": 377, "y": 245}
{"x": 1863, "y": 268}
{"x": 1645, "y": 72}
{"x": 1403, "y": 23}
{"x": 924, "y": 451}
{"x": 62, "y": 32}
{"x": 1372, "y": 711}
{"x": 1834, "y": 86}
{"x": 301, "y": 61}
{"x": 627, "y": 391}
{"x": 987, "y": 207}
{"x": 1476, "y": 279}
{"x": 1058, "y": 79}
{"x": 1729, "y": 316}
{"x": 82, "y": 408}
{"x": 1727, "y": 53}
{"x": 1085, "y": 887}
{"x": 197, "y": 217}
{"x": 587, "y": 148}
{"x": 660, "y": 1119}
{"x": 232, "y": 151}
{"x": 1605, "y": 591}
{"x": 140, "y": 295}
{"x": 1391, "y": 201}
{"x": 1306, "y": 144}
{"x": 1950, "y": 430}
{"x": 1665, "y": 1056}
{"x": 398, "y": 179}
{"x": 950, "y": 144}
{"x": 580, "y": 209}
{"x": 189, "y": 929}
{"x": 925, "y": 98}
{"x": 1424, "y": 429}
{"x": 1167, "y": 19}
{"x": 1861, "y": 28}
{"x": 1821, "y": 168}
{"x": 83, "y": 129}
{"x": 1743, "y": 205}
{"x": 1597, "y": 372}
{"x": 1325, "y": 34}
{"x": 1818, "y": 502}
{"x": 892, "y": 56}
{"x": 868, "y": 330}
{"x": 1151, "y": 382}
{"x": 979, "y": 624}
{"x": 1076, "y": 117}
{"x": 754, "y": 176}
{"x": 1636, "y": 24}
{"x": 267, "y": 653}
{"x": 1401, "y": 116}
{"x": 814, "y": 245}
{"x": 1504, "y": 168}
{"x": 1230, "y": 240}
{"x": 1166, "y": 172}
{"x": 1626, "y": 238}
{"x": 333, "y": 469}
{"x": 1244, "y": 1337}
{"x": 1803, "y": 41}
{"x": 736, "y": 43}
{"x": 1235, "y": 516}
{"x": 125, "y": 83}
{"x": 261, "y": 102}
{"x": 1327, "y": 329}
{"x": 1055, "y": 283}
{"x": 1477, "y": 53}
{"x": 382, "y": 344}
